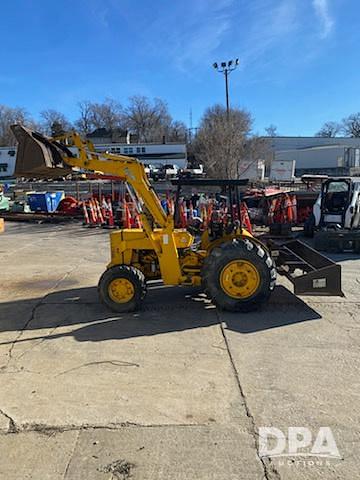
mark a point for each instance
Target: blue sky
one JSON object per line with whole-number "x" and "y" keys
{"x": 299, "y": 58}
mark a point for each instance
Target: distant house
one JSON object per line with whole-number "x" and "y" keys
{"x": 102, "y": 135}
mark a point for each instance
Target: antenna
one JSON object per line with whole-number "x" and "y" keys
{"x": 190, "y": 125}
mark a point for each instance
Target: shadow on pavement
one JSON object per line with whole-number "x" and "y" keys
{"x": 166, "y": 310}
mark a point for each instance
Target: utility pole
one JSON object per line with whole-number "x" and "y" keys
{"x": 226, "y": 68}
{"x": 192, "y": 131}
{"x": 191, "y": 125}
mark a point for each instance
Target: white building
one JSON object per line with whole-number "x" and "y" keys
{"x": 149, "y": 153}
{"x": 318, "y": 155}
{"x": 7, "y": 161}
{"x": 156, "y": 154}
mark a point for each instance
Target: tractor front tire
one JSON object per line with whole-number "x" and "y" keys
{"x": 239, "y": 276}
{"x": 122, "y": 288}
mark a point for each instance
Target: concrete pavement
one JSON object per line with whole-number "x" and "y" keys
{"x": 176, "y": 391}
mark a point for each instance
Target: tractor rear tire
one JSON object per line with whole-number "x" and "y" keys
{"x": 239, "y": 276}
{"x": 122, "y": 288}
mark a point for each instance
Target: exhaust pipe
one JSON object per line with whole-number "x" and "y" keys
{"x": 39, "y": 156}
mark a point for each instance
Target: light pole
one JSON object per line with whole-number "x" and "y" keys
{"x": 226, "y": 68}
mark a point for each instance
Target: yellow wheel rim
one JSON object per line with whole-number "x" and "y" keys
{"x": 240, "y": 279}
{"x": 121, "y": 290}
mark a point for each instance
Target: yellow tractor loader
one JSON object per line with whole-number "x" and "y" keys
{"x": 236, "y": 270}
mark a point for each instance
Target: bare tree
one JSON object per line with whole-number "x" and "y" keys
{"x": 329, "y": 129}
{"x": 271, "y": 130}
{"x": 108, "y": 115}
{"x": 220, "y": 143}
{"x": 84, "y": 123}
{"x": 54, "y": 123}
{"x": 9, "y": 116}
{"x": 93, "y": 115}
{"x": 351, "y": 125}
{"x": 150, "y": 121}
{"x": 177, "y": 132}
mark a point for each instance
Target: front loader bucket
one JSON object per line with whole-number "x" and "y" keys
{"x": 310, "y": 272}
{"x": 39, "y": 156}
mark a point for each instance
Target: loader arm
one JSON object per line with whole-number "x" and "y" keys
{"x": 128, "y": 169}
{"x": 41, "y": 156}
{"x": 236, "y": 269}
{"x": 57, "y": 154}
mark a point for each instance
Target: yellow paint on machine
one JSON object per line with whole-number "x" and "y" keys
{"x": 240, "y": 279}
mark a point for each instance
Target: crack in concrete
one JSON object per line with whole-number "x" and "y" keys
{"x": 116, "y": 363}
{"x": 40, "y": 341}
{"x": 71, "y": 455}
{"x": 270, "y": 472}
{"x": 50, "y": 430}
{"x": 19, "y": 335}
{"x": 33, "y": 313}
{"x": 4, "y": 371}
{"x": 12, "y": 428}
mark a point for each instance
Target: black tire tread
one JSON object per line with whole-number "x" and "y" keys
{"x": 131, "y": 273}
{"x": 238, "y": 248}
